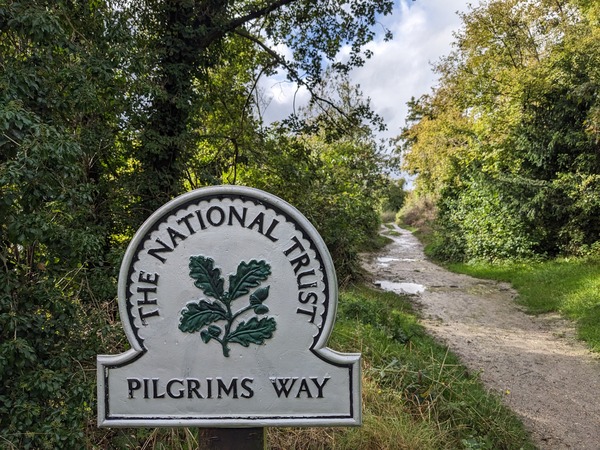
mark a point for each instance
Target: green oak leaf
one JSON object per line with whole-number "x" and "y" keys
{"x": 207, "y": 278}
{"x": 259, "y": 296}
{"x": 248, "y": 275}
{"x": 254, "y": 331}
{"x": 197, "y": 315}
{"x": 206, "y": 337}
{"x": 214, "y": 331}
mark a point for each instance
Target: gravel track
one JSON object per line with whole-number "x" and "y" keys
{"x": 535, "y": 362}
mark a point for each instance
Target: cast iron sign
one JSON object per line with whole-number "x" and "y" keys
{"x": 228, "y": 295}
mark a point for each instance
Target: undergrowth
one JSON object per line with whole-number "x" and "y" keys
{"x": 416, "y": 395}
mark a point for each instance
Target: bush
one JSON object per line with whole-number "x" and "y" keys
{"x": 388, "y": 216}
{"x": 419, "y": 211}
{"x": 480, "y": 222}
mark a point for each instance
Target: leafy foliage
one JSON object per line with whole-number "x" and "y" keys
{"x": 393, "y": 195}
{"x": 329, "y": 165}
{"x": 58, "y": 117}
{"x": 109, "y": 109}
{"x": 511, "y": 132}
{"x": 479, "y": 222}
{"x": 191, "y": 47}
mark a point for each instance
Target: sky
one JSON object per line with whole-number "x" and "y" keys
{"x": 398, "y": 70}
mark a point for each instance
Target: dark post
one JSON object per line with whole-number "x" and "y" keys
{"x": 236, "y": 439}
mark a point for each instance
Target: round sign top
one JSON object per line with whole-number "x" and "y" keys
{"x": 200, "y": 242}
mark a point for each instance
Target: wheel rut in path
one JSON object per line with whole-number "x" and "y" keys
{"x": 542, "y": 372}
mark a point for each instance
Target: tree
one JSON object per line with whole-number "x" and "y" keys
{"x": 107, "y": 111}
{"x": 332, "y": 170}
{"x": 59, "y": 115}
{"x": 394, "y": 195}
{"x": 512, "y": 120}
{"x": 184, "y": 41}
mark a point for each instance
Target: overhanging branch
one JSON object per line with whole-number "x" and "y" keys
{"x": 237, "y": 22}
{"x": 292, "y": 71}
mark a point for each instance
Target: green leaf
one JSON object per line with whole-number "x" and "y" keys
{"x": 261, "y": 309}
{"x": 248, "y": 275}
{"x": 207, "y": 277}
{"x": 197, "y": 315}
{"x": 259, "y": 296}
{"x": 214, "y": 331}
{"x": 206, "y": 337}
{"x": 254, "y": 331}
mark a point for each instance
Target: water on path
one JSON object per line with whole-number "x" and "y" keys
{"x": 553, "y": 380}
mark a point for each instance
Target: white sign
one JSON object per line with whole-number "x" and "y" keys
{"x": 228, "y": 296}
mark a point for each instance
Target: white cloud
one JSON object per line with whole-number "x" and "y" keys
{"x": 398, "y": 70}
{"x": 402, "y": 69}
{"x": 282, "y": 97}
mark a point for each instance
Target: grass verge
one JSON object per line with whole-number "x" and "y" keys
{"x": 569, "y": 286}
{"x": 416, "y": 395}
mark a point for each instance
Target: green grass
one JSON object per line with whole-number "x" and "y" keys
{"x": 387, "y": 216}
{"x": 569, "y": 286}
{"x": 416, "y": 395}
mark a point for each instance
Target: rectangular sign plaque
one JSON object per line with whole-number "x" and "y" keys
{"x": 228, "y": 296}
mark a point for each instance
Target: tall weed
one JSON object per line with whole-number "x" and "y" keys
{"x": 419, "y": 212}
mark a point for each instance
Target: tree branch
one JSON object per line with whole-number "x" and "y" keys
{"x": 236, "y": 23}
{"x": 294, "y": 74}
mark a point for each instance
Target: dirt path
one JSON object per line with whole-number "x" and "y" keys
{"x": 543, "y": 373}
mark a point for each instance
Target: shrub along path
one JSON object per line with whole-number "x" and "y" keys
{"x": 534, "y": 362}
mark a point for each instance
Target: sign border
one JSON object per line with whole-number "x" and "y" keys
{"x": 318, "y": 347}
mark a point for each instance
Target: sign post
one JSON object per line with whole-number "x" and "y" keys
{"x": 236, "y": 439}
{"x": 228, "y": 296}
